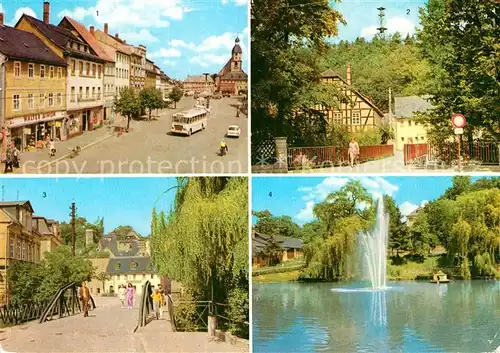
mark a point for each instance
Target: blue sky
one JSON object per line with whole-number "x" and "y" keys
{"x": 121, "y": 201}
{"x": 296, "y": 196}
{"x": 182, "y": 36}
{"x": 363, "y": 21}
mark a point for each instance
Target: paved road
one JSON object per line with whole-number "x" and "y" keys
{"x": 393, "y": 165}
{"x": 109, "y": 328}
{"x": 150, "y": 149}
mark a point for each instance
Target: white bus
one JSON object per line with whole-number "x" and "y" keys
{"x": 189, "y": 121}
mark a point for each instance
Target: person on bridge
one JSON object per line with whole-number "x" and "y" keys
{"x": 162, "y": 299}
{"x": 85, "y": 297}
{"x": 122, "y": 291}
{"x": 130, "y": 296}
{"x": 157, "y": 299}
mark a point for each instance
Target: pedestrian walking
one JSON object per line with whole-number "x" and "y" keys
{"x": 10, "y": 159}
{"x": 353, "y": 151}
{"x": 157, "y": 298}
{"x": 130, "y": 296}
{"x": 52, "y": 148}
{"x": 162, "y": 301}
{"x": 122, "y": 291}
{"x": 85, "y": 297}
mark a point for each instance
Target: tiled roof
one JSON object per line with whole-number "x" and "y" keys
{"x": 405, "y": 107}
{"x": 259, "y": 242}
{"x": 199, "y": 78}
{"x": 118, "y": 44}
{"x": 17, "y": 44}
{"x": 16, "y": 203}
{"x": 61, "y": 37}
{"x": 238, "y": 75}
{"x": 130, "y": 265}
{"x": 89, "y": 38}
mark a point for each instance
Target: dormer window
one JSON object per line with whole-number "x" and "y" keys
{"x": 117, "y": 266}
{"x": 133, "y": 265}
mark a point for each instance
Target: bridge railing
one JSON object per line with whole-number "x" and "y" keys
{"x": 65, "y": 302}
{"x": 145, "y": 305}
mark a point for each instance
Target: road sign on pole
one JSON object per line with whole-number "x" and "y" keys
{"x": 458, "y": 121}
{"x": 459, "y": 131}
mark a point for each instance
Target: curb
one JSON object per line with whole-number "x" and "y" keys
{"x": 67, "y": 155}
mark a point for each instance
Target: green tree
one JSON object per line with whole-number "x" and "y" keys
{"x": 460, "y": 40}
{"x": 128, "y": 105}
{"x": 175, "y": 95}
{"x": 399, "y": 237}
{"x": 272, "y": 252}
{"x": 344, "y": 217}
{"x": 203, "y": 241}
{"x": 269, "y": 225}
{"x": 284, "y": 73}
{"x": 150, "y": 99}
{"x": 422, "y": 238}
{"x": 81, "y": 226}
{"x": 28, "y": 282}
{"x": 102, "y": 277}
{"x": 461, "y": 185}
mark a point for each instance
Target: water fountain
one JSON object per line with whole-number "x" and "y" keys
{"x": 374, "y": 249}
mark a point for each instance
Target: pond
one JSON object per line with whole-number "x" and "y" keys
{"x": 462, "y": 316}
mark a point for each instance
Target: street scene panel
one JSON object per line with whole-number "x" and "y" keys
{"x": 375, "y": 87}
{"x": 124, "y": 264}
{"x": 85, "y": 91}
{"x": 372, "y": 264}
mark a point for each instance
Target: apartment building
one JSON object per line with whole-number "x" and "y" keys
{"x": 48, "y": 232}
{"x": 150, "y": 74}
{"x": 32, "y": 89}
{"x": 138, "y": 67}
{"x": 18, "y": 240}
{"x": 406, "y": 129}
{"x": 84, "y": 88}
{"x": 122, "y": 53}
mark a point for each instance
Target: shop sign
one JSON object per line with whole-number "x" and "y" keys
{"x": 34, "y": 118}
{"x": 27, "y": 131}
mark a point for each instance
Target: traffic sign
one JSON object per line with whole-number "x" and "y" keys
{"x": 459, "y": 131}
{"x": 458, "y": 121}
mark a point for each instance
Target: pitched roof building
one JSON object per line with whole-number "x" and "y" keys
{"x": 231, "y": 79}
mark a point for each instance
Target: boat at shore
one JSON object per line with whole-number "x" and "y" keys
{"x": 440, "y": 277}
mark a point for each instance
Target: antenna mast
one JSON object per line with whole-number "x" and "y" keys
{"x": 381, "y": 17}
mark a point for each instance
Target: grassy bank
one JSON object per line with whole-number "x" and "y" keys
{"x": 290, "y": 276}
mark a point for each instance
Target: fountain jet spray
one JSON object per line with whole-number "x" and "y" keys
{"x": 374, "y": 248}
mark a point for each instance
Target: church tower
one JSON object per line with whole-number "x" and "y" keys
{"x": 236, "y": 56}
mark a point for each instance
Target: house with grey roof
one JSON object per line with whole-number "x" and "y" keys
{"x": 406, "y": 129}
{"x": 290, "y": 248}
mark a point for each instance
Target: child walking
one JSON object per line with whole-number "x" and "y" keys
{"x": 157, "y": 299}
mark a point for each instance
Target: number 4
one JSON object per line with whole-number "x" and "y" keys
{"x": 270, "y": 194}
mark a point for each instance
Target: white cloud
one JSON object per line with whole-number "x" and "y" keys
{"x": 407, "y": 207}
{"x": 214, "y": 42}
{"x": 306, "y": 214}
{"x": 209, "y": 59}
{"x": 143, "y": 36}
{"x": 395, "y": 24}
{"x": 20, "y": 11}
{"x": 178, "y": 43}
{"x": 165, "y": 53}
{"x": 236, "y": 2}
{"x": 169, "y": 63}
{"x": 122, "y": 14}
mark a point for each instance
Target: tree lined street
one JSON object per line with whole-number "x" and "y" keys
{"x": 150, "y": 148}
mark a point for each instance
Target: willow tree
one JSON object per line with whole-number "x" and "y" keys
{"x": 344, "y": 214}
{"x": 203, "y": 241}
{"x": 474, "y": 236}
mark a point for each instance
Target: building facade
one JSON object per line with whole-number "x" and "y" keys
{"x": 18, "y": 240}
{"x": 356, "y": 112}
{"x": 406, "y": 129}
{"x": 48, "y": 231}
{"x": 290, "y": 248}
{"x": 32, "y": 90}
{"x": 150, "y": 74}
{"x": 138, "y": 67}
{"x": 232, "y": 80}
{"x": 199, "y": 83}
{"x": 84, "y": 85}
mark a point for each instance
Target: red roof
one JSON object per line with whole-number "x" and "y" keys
{"x": 90, "y": 39}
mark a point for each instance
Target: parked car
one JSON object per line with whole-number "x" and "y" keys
{"x": 233, "y": 131}
{"x": 217, "y": 96}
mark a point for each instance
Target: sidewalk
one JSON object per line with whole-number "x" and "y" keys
{"x": 31, "y": 160}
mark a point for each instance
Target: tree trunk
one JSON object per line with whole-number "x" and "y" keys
{"x": 128, "y": 122}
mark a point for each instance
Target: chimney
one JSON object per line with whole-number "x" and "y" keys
{"x": 1, "y": 18}
{"x": 106, "y": 28}
{"x": 349, "y": 75}
{"x": 46, "y": 12}
{"x": 92, "y": 31}
{"x": 116, "y": 35}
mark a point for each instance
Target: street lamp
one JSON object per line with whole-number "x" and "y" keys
{"x": 206, "y": 79}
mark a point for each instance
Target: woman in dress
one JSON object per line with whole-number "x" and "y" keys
{"x": 130, "y": 296}
{"x": 122, "y": 291}
{"x": 353, "y": 151}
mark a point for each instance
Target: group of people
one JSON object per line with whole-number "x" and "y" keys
{"x": 12, "y": 159}
{"x": 126, "y": 292}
